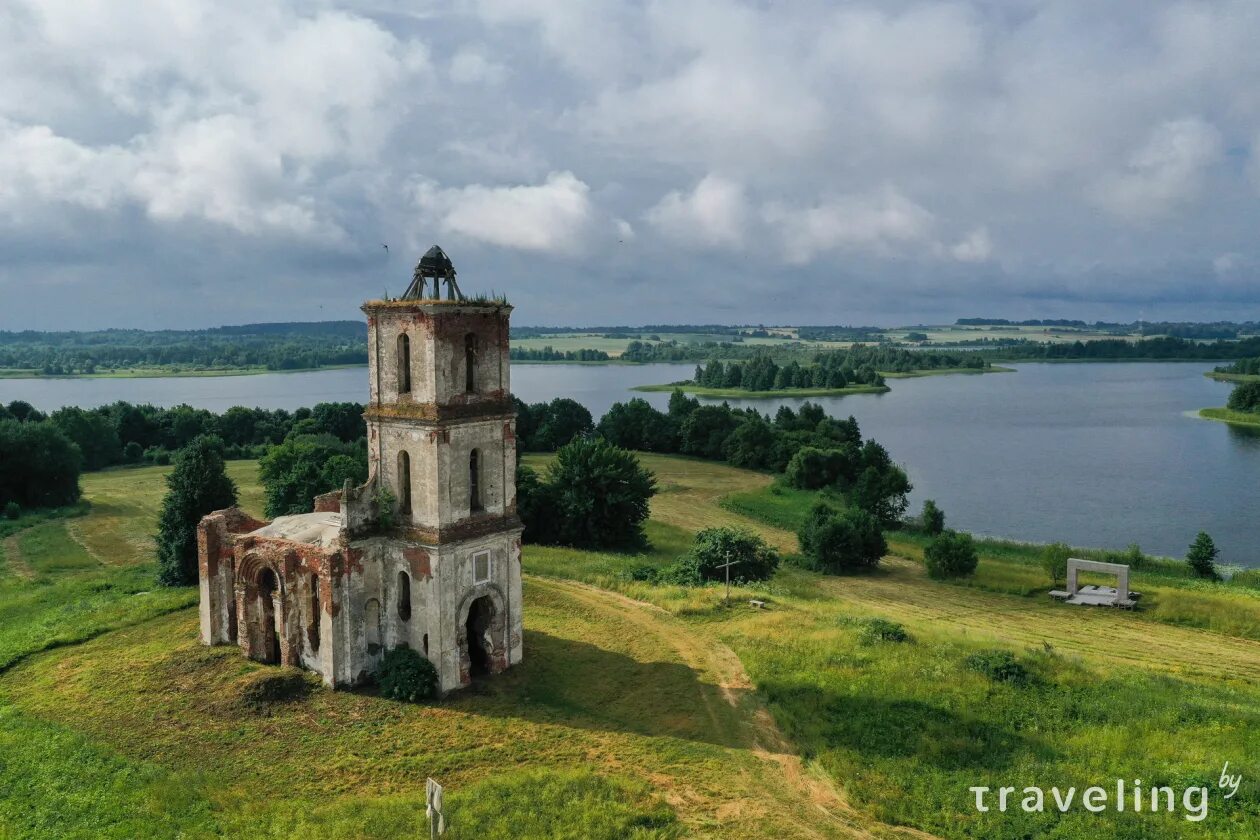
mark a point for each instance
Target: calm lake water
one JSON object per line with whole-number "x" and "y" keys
{"x": 1092, "y": 454}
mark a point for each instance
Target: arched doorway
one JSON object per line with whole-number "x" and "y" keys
{"x": 479, "y": 631}
{"x": 268, "y": 618}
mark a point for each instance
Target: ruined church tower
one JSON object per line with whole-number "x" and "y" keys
{"x": 427, "y": 553}
{"x": 441, "y": 440}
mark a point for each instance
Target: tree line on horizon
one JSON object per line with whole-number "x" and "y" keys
{"x": 841, "y": 368}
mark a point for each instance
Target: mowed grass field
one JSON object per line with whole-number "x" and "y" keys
{"x": 640, "y": 711}
{"x": 622, "y": 722}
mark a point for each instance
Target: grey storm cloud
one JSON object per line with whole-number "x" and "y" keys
{"x": 195, "y": 162}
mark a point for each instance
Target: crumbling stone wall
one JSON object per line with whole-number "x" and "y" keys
{"x": 445, "y": 578}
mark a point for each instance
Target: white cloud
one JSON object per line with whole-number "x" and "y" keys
{"x": 714, "y": 214}
{"x": 883, "y": 222}
{"x": 1162, "y": 175}
{"x": 470, "y": 66}
{"x": 1108, "y": 143}
{"x": 37, "y": 166}
{"x": 219, "y": 112}
{"x": 975, "y": 247}
{"x": 553, "y": 217}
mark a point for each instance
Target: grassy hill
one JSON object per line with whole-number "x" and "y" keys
{"x": 640, "y": 710}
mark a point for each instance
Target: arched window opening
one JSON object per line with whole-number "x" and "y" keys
{"x": 315, "y": 611}
{"x": 474, "y": 480}
{"x": 404, "y": 482}
{"x": 404, "y": 596}
{"x": 470, "y": 363}
{"x": 425, "y": 642}
{"x": 404, "y": 364}
{"x": 267, "y": 586}
{"x": 372, "y": 625}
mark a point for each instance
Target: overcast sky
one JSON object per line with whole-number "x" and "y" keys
{"x": 202, "y": 162}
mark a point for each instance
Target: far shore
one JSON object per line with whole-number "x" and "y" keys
{"x": 737, "y": 394}
{"x": 162, "y": 373}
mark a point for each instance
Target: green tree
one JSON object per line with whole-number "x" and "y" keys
{"x": 751, "y": 444}
{"x": 952, "y": 554}
{"x": 536, "y": 505}
{"x": 563, "y": 420}
{"x": 933, "y": 518}
{"x": 637, "y": 425}
{"x": 715, "y": 547}
{"x": 39, "y": 465}
{"x": 1245, "y": 397}
{"x": 304, "y": 466}
{"x": 601, "y": 495}
{"x": 881, "y": 492}
{"x": 706, "y": 429}
{"x": 841, "y": 541}
{"x": 809, "y": 469}
{"x": 1202, "y": 556}
{"x": 342, "y": 420}
{"x": 93, "y": 432}
{"x": 198, "y": 485}
{"x": 1054, "y": 559}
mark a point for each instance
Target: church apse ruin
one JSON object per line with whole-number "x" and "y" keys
{"x": 425, "y": 554}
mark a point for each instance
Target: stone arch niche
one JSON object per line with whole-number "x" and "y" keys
{"x": 404, "y": 483}
{"x": 470, "y": 363}
{"x": 481, "y": 632}
{"x": 474, "y": 482}
{"x": 404, "y": 364}
{"x": 260, "y": 605}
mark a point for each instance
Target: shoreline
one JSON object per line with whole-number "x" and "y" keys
{"x": 1229, "y": 416}
{"x": 1232, "y": 377}
{"x": 156, "y": 373}
{"x": 736, "y": 394}
{"x": 914, "y": 374}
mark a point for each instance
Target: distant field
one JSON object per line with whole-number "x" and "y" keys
{"x": 1049, "y": 335}
{"x": 614, "y": 347}
{"x": 575, "y": 341}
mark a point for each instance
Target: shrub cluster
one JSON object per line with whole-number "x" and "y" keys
{"x": 1245, "y": 397}
{"x": 999, "y": 666}
{"x": 407, "y": 676}
{"x": 715, "y": 547}
{"x": 841, "y": 541}
{"x": 883, "y": 630}
{"x": 951, "y": 554}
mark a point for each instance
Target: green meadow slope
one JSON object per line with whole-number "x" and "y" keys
{"x": 640, "y": 711}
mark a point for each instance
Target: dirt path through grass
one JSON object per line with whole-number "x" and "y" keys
{"x": 13, "y": 557}
{"x": 738, "y": 717}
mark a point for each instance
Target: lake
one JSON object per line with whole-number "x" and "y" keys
{"x": 1091, "y": 454}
